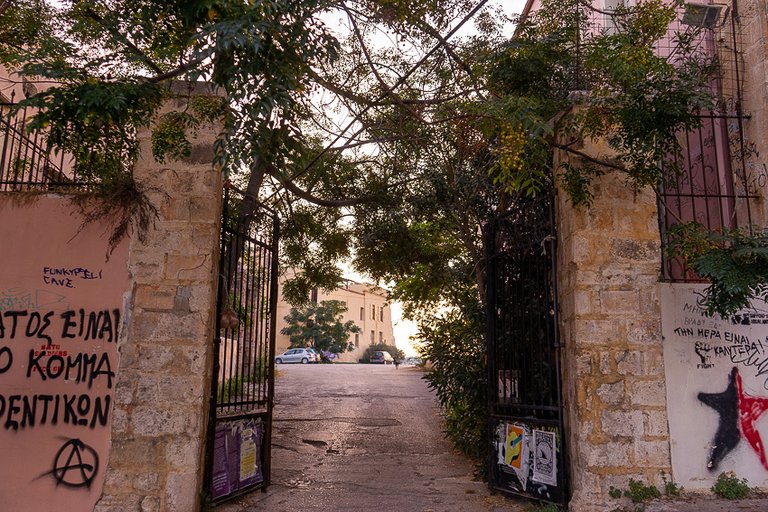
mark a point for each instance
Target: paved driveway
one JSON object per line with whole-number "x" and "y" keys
{"x": 364, "y": 437}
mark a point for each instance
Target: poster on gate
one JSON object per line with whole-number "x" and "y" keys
{"x": 236, "y": 456}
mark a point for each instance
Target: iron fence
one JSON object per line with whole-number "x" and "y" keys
{"x": 27, "y": 162}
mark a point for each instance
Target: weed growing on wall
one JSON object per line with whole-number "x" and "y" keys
{"x": 728, "y": 486}
{"x": 638, "y": 492}
{"x": 671, "y": 489}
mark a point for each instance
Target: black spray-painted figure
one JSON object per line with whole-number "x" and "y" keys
{"x": 738, "y": 414}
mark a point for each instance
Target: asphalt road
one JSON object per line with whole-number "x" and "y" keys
{"x": 364, "y": 437}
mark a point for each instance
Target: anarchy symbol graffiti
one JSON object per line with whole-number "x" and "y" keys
{"x": 75, "y": 465}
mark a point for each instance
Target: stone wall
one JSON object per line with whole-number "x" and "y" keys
{"x": 608, "y": 267}
{"x": 163, "y": 383}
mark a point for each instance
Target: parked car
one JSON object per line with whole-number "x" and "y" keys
{"x": 316, "y": 354}
{"x": 382, "y": 357}
{"x": 297, "y": 355}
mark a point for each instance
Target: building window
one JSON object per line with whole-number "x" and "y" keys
{"x": 381, "y": 337}
{"x": 357, "y": 340}
{"x": 362, "y": 313}
{"x": 373, "y": 312}
{"x": 313, "y": 296}
{"x": 373, "y": 337}
{"x": 381, "y": 313}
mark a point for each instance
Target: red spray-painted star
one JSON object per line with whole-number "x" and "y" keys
{"x": 750, "y": 409}
{"x": 738, "y": 413}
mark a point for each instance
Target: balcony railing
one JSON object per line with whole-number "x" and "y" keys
{"x": 27, "y": 162}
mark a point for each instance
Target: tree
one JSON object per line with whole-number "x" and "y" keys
{"x": 320, "y": 326}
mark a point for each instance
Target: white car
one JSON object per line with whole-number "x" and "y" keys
{"x": 297, "y": 355}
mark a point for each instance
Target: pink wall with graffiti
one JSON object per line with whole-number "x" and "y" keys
{"x": 61, "y": 309}
{"x": 717, "y": 389}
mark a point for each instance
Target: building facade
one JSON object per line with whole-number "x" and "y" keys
{"x": 367, "y": 307}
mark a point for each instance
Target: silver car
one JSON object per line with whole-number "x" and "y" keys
{"x": 296, "y": 355}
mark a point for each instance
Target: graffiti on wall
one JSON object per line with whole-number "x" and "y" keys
{"x": 60, "y": 319}
{"x": 717, "y": 388}
{"x": 738, "y": 413}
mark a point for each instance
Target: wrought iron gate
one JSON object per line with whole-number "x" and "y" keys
{"x": 528, "y": 455}
{"x": 240, "y": 417}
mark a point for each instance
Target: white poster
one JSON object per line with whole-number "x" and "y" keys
{"x": 544, "y": 457}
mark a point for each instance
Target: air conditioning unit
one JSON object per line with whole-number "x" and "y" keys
{"x": 701, "y": 15}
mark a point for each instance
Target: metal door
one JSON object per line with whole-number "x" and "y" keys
{"x": 242, "y": 390}
{"x": 528, "y": 455}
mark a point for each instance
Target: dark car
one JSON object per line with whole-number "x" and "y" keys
{"x": 381, "y": 357}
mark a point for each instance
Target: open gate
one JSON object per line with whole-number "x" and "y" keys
{"x": 242, "y": 389}
{"x": 528, "y": 455}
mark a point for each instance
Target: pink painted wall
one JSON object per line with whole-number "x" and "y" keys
{"x": 56, "y": 374}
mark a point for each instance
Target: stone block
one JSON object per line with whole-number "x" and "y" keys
{"x": 147, "y": 391}
{"x": 187, "y": 389}
{"x": 205, "y": 237}
{"x": 629, "y": 362}
{"x": 133, "y": 454}
{"x": 183, "y": 452}
{"x": 655, "y": 424}
{"x": 149, "y": 326}
{"x": 606, "y": 363}
{"x": 649, "y": 302}
{"x": 148, "y": 482}
{"x": 123, "y": 393}
{"x": 584, "y": 364}
{"x": 595, "y": 332}
{"x": 609, "y": 455}
{"x": 201, "y": 153}
{"x": 582, "y": 250}
{"x": 584, "y": 303}
{"x": 201, "y": 297}
{"x": 611, "y": 393}
{"x": 155, "y": 422}
{"x": 118, "y": 503}
{"x": 188, "y": 268}
{"x": 634, "y": 250}
{"x": 204, "y": 209}
{"x": 644, "y": 332}
{"x": 119, "y": 420}
{"x": 181, "y": 299}
{"x": 622, "y": 423}
{"x": 181, "y": 492}
{"x": 652, "y": 454}
{"x": 175, "y": 208}
{"x": 653, "y": 363}
{"x": 619, "y": 302}
{"x": 154, "y": 297}
{"x": 649, "y": 393}
{"x": 150, "y": 504}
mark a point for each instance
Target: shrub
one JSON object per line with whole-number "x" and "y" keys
{"x": 455, "y": 346}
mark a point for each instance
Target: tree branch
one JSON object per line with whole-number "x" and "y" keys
{"x": 124, "y": 40}
{"x": 585, "y": 156}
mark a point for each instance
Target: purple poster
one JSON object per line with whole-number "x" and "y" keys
{"x": 236, "y": 456}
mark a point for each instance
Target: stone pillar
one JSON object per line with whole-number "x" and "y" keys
{"x": 608, "y": 267}
{"x": 163, "y": 383}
